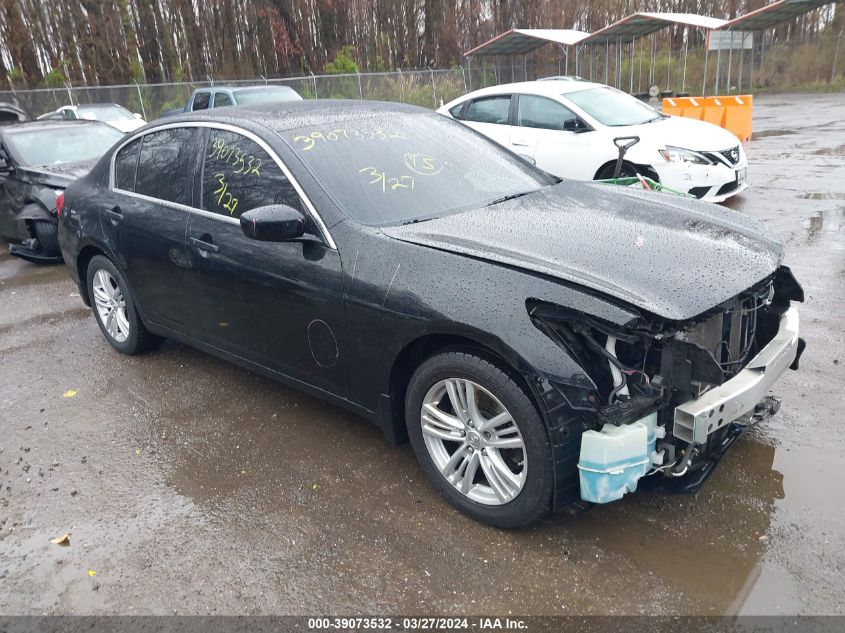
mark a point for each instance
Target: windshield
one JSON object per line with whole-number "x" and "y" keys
{"x": 612, "y": 107}
{"x": 409, "y": 168}
{"x": 104, "y": 113}
{"x": 66, "y": 144}
{"x": 266, "y": 95}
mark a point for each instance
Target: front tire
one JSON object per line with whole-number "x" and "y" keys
{"x": 47, "y": 234}
{"x": 115, "y": 309}
{"x": 480, "y": 440}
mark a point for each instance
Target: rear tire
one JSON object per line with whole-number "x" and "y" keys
{"x": 510, "y": 461}
{"x": 47, "y": 234}
{"x": 114, "y": 308}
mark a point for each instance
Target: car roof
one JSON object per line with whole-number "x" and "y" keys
{"x": 546, "y": 88}
{"x": 48, "y": 124}
{"x": 291, "y": 115}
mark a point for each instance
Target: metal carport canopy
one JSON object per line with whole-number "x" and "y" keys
{"x": 641, "y": 24}
{"x": 773, "y": 14}
{"x": 521, "y": 41}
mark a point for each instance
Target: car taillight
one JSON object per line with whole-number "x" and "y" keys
{"x": 60, "y": 203}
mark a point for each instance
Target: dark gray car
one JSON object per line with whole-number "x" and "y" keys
{"x": 38, "y": 161}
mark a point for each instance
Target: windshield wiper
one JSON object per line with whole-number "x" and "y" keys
{"x": 418, "y": 220}
{"x": 509, "y": 197}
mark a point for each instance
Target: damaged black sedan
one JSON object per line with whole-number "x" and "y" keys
{"x": 37, "y": 161}
{"x": 543, "y": 345}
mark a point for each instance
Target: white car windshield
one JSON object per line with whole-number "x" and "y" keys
{"x": 65, "y": 144}
{"x": 612, "y": 107}
{"x": 104, "y": 113}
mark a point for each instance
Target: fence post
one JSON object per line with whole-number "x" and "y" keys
{"x": 69, "y": 95}
{"x": 718, "y": 70}
{"x": 433, "y": 87}
{"x": 464, "y": 76}
{"x": 730, "y": 61}
{"x": 751, "y": 62}
{"x": 360, "y": 90}
{"x": 401, "y": 86}
{"x": 141, "y": 99}
{"x": 316, "y": 96}
{"x": 835, "y": 55}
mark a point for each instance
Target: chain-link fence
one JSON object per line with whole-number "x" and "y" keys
{"x": 815, "y": 64}
{"x": 428, "y": 88}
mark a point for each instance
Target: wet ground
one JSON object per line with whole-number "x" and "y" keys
{"x": 191, "y": 486}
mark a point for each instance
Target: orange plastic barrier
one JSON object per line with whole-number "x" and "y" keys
{"x": 732, "y": 113}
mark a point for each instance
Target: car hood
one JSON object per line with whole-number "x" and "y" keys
{"x": 684, "y": 132}
{"x": 127, "y": 125}
{"x": 672, "y": 257}
{"x": 61, "y": 175}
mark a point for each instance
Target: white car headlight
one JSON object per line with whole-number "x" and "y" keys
{"x": 680, "y": 155}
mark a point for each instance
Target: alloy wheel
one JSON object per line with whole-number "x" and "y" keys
{"x": 111, "y": 306}
{"x": 474, "y": 441}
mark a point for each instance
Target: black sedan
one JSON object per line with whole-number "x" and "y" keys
{"x": 37, "y": 161}
{"x": 543, "y": 344}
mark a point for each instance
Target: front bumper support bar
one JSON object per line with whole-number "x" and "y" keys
{"x": 697, "y": 419}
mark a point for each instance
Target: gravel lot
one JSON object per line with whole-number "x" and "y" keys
{"x": 191, "y": 486}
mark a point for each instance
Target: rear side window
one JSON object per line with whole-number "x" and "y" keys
{"x": 221, "y": 100}
{"x": 201, "y": 101}
{"x": 543, "y": 113}
{"x": 238, "y": 175}
{"x": 164, "y": 165}
{"x": 126, "y": 165}
{"x": 489, "y": 110}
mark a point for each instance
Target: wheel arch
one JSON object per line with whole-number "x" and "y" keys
{"x": 83, "y": 259}
{"x": 606, "y": 170}
{"x": 34, "y": 210}
{"x": 420, "y": 349}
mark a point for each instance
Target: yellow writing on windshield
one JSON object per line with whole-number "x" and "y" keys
{"x": 309, "y": 140}
{"x": 423, "y": 164}
{"x": 387, "y": 183}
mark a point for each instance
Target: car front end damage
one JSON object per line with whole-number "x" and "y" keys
{"x": 664, "y": 399}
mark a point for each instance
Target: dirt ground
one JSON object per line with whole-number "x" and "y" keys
{"x": 191, "y": 486}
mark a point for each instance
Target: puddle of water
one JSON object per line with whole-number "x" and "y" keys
{"x": 767, "y": 133}
{"x": 831, "y": 151}
{"x": 707, "y": 546}
{"x": 822, "y": 195}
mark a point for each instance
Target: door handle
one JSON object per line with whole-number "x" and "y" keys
{"x": 520, "y": 143}
{"x": 115, "y": 214}
{"x": 203, "y": 245}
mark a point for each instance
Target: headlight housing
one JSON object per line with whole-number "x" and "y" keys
{"x": 679, "y": 155}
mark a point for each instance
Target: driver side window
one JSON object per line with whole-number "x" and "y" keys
{"x": 543, "y": 113}
{"x": 238, "y": 175}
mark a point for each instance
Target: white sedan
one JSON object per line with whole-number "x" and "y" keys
{"x": 117, "y": 116}
{"x": 567, "y": 128}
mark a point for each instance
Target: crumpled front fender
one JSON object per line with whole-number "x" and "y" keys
{"x": 43, "y": 209}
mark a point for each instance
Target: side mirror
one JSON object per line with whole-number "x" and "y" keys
{"x": 5, "y": 163}
{"x": 138, "y": 116}
{"x": 275, "y": 223}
